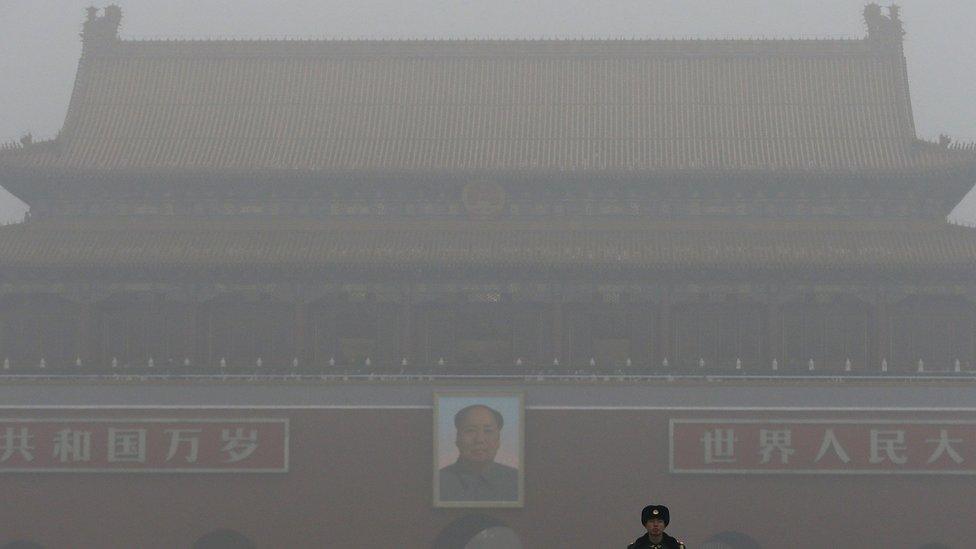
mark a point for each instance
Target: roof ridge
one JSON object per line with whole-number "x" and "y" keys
{"x": 191, "y": 222}
{"x": 491, "y": 39}
{"x": 549, "y": 104}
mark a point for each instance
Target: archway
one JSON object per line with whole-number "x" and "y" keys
{"x": 731, "y": 540}
{"x": 223, "y": 539}
{"x": 477, "y": 532}
{"x": 21, "y": 544}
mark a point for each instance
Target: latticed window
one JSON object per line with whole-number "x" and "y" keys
{"x": 483, "y": 334}
{"x": 242, "y": 331}
{"x": 134, "y": 329}
{"x": 486, "y": 333}
{"x": 322, "y": 328}
{"x": 936, "y": 330}
{"x": 39, "y": 326}
{"x": 610, "y": 335}
{"x": 830, "y": 334}
{"x": 717, "y": 335}
{"x": 124, "y": 334}
{"x": 356, "y": 335}
{"x": 526, "y": 328}
{"x": 349, "y": 333}
{"x": 438, "y": 328}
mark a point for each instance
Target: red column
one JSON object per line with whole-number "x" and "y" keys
{"x": 87, "y": 345}
{"x": 774, "y": 336}
{"x": 205, "y": 320}
{"x": 664, "y": 330}
{"x": 558, "y": 335}
{"x": 301, "y": 327}
{"x": 882, "y": 325}
{"x": 405, "y": 336}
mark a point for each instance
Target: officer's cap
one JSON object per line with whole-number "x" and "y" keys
{"x": 655, "y": 512}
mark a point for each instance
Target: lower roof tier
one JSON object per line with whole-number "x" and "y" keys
{"x": 298, "y": 247}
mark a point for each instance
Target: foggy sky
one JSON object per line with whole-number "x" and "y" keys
{"x": 39, "y": 43}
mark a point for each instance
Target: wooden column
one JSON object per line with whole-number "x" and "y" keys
{"x": 405, "y": 339}
{"x": 541, "y": 335}
{"x": 205, "y": 322}
{"x": 421, "y": 334}
{"x": 87, "y": 347}
{"x": 966, "y": 364}
{"x": 664, "y": 330}
{"x": 301, "y": 329}
{"x": 640, "y": 316}
{"x": 187, "y": 333}
{"x": 774, "y": 336}
{"x": 387, "y": 335}
{"x": 882, "y": 330}
{"x": 332, "y": 339}
{"x": 967, "y": 361}
{"x": 558, "y": 333}
{"x": 543, "y": 347}
{"x": 4, "y": 314}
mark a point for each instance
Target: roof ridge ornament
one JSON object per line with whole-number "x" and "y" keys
{"x": 886, "y": 29}
{"x": 100, "y": 30}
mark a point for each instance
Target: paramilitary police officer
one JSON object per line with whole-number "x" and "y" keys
{"x": 656, "y": 518}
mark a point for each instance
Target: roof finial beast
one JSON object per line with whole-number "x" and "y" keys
{"x": 884, "y": 28}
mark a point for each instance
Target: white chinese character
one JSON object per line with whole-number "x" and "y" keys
{"x": 890, "y": 442}
{"x": 719, "y": 445}
{"x": 238, "y": 445}
{"x": 830, "y": 441}
{"x": 775, "y": 441}
{"x": 945, "y": 447}
{"x": 72, "y": 445}
{"x": 126, "y": 445}
{"x": 12, "y": 441}
{"x": 180, "y": 436}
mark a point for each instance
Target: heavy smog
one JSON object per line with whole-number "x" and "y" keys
{"x": 440, "y": 274}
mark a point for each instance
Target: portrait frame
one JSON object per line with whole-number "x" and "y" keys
{"x": 511, "y": 453}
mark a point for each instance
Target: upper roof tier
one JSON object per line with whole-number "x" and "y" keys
{"x": 486, "y": 105}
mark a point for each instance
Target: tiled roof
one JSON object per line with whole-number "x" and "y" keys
{"x": 295, "y": 246}
{"x": 561, "y": 105}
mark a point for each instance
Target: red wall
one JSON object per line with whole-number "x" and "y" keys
{"x": 361, "y": 478}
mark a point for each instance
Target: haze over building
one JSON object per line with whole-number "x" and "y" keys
{"x": 655, "y": 242}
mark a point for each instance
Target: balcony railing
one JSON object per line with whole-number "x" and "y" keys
{"x": 519, "y": 368}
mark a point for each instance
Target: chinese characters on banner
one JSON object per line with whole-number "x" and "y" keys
{"x": 823, "y": 446}
{"x": 143, "y": 445}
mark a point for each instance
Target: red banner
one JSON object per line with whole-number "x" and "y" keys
{"x": 143, "y": 445}
{"x": 823, "y": 447}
